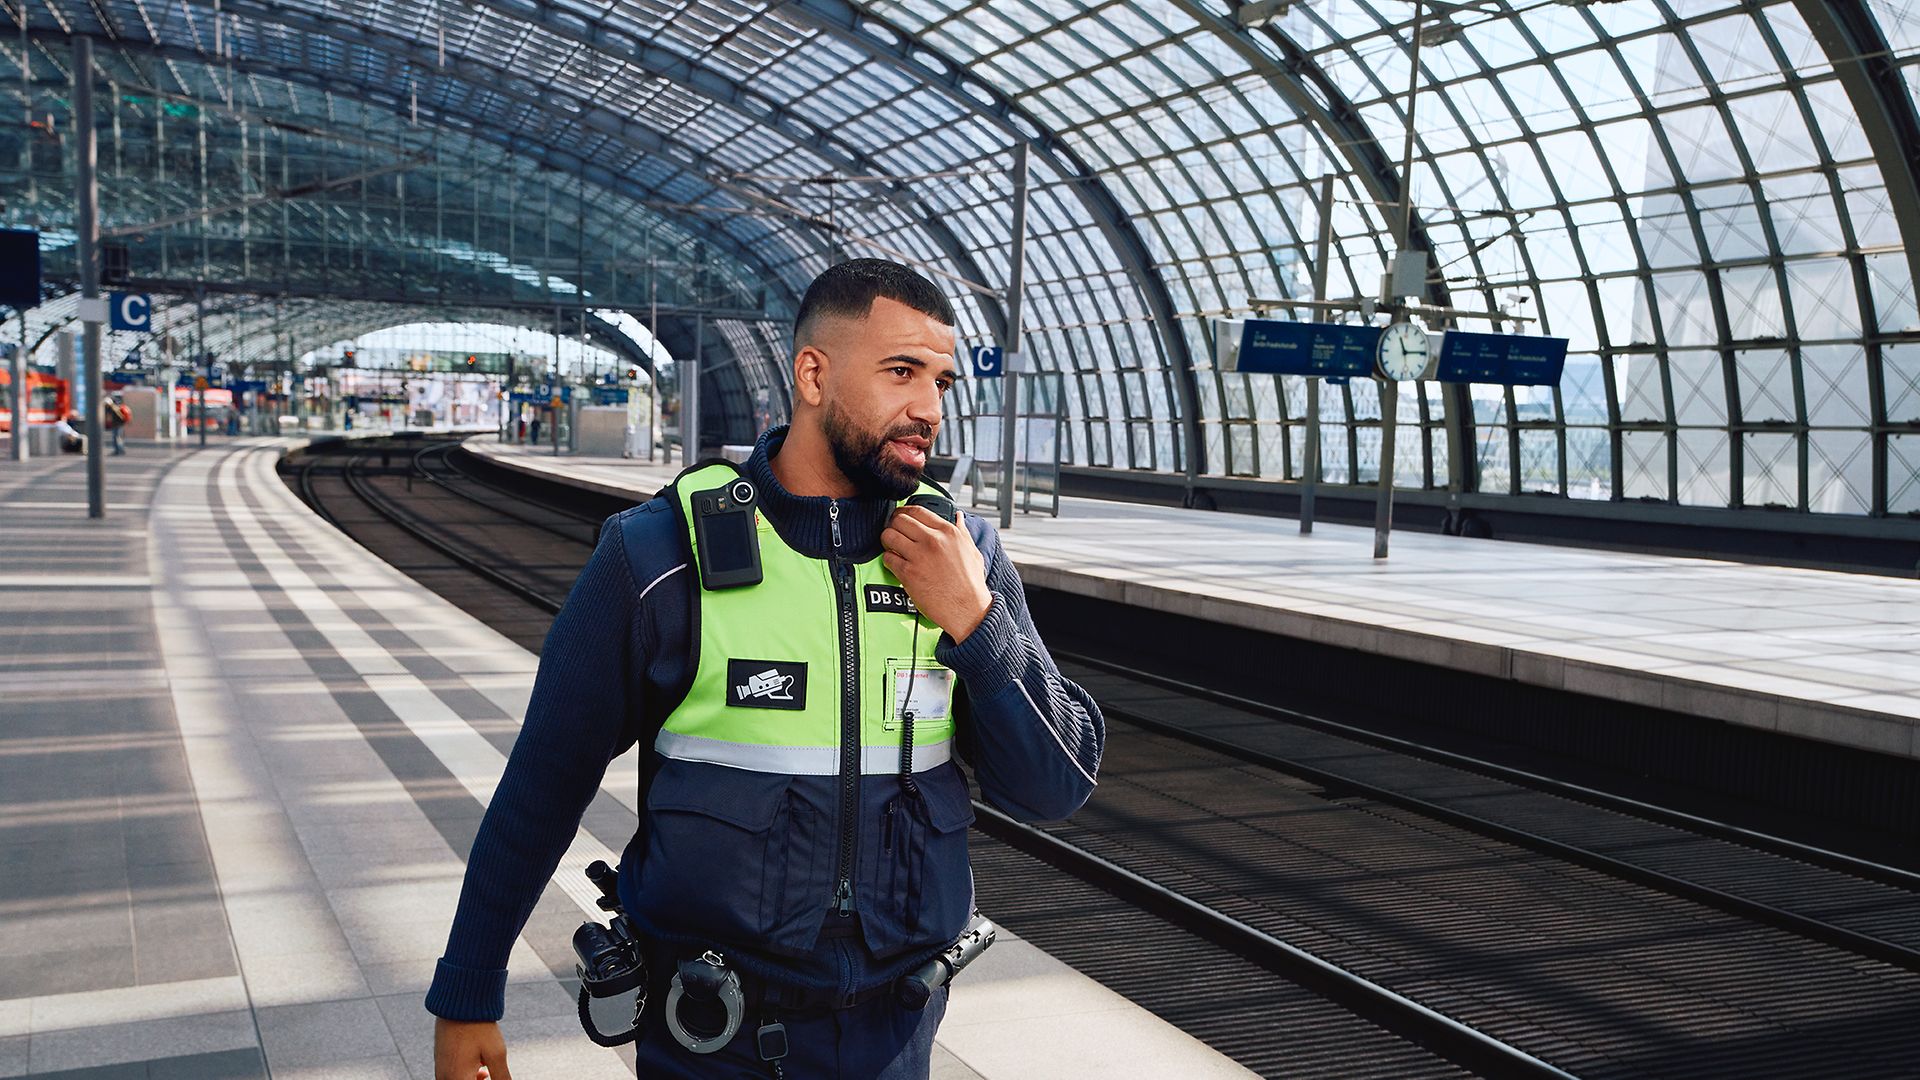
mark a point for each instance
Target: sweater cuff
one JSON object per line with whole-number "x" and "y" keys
{"x": 987, "y": 660}
{"x": 461, "y": 993}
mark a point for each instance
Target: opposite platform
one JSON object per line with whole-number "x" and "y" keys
{"x": 1811, "y": 653}
{"x": 241, "y": 763}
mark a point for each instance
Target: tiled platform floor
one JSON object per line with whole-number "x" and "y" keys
{"x": 1812, "y": 653}
{"x": 241, "y": 761}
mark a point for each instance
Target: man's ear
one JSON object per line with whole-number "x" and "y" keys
{"x": 810, "y": 375}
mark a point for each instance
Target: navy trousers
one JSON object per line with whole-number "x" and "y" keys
{"x": 878, "y": 1040}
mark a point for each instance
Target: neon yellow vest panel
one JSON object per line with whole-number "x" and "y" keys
{"x": 768, "y": 692}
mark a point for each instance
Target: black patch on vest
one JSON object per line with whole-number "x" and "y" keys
{"x": 767, "y": 684}
{"x": 892, "y": 599}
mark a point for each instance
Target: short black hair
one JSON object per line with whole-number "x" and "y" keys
{"x": 848, "y": 289}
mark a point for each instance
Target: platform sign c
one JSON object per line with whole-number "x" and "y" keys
{"x": 987, "y": 361}
{"x": 130, "y": 311}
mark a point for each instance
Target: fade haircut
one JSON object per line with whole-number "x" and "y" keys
{"x": 848, "y": 290}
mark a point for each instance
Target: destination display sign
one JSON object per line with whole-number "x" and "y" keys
{"x": 1506, "y": 359}
{"x": 1276, "y": 347}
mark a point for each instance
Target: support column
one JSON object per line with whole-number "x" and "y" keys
{"x": 19, "y": 390}
{"x": 86, "y": 161}
{"x": 206, "y": 361}
{"x": 1010, "y": 363}
{"x": 1322, "y": 252}
{"x": 1403, "y": 234}
{"x": 690, "y": 396}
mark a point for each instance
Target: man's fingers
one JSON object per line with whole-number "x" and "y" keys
{"x": 919, "y": 521}
{"x": 893, "y": 562}
{"x": 496, "y": 1067}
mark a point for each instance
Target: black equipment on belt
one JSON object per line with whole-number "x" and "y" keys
{"x": 610, "y": 963}
{"x": 704, "y": 1003}
{"x": 916, "y": 988}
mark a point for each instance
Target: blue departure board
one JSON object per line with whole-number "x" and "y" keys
{"x": 1508, "y": 359}
{"x": 1274, "y": 347}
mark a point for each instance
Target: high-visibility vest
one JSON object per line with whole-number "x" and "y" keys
{"x": 777, "y": 802}
{"x": 815, "y": 666}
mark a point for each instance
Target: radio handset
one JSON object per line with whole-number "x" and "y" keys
{"x": 941, "y": 506}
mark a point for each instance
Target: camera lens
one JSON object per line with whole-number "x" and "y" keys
{"x": 742, "y": 491}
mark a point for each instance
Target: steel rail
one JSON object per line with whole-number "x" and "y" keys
{"x": 1443, "y": 1035}
{"x": 1807, "y": 926}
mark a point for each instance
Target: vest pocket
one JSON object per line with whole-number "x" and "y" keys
{"x": 919, "y": 886}
{"x": 732, "y": 856}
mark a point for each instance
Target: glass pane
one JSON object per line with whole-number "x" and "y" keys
{"x": 1900, "y": 368}
{"x": 1824, "y": 302}
{"x": 1835, "y": 377}
{"x": 1495, "y": 458}
{"x": 1772, "y": 470}
{"x": 1643, "y": 395}
{"x": 1766, "y": 385}
{"x": 1539, "y": 461}
{"x": 1644, "y": 459}
{"x": 1704, "y": 467}
{"x": 1699, "y": 388}
{"x": 1589, "y": 463}
{"x": 1839, "y": 472}
{"x": 1903, "y": 474}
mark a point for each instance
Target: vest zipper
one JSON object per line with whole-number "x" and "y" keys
{"x": 849, "y": 720}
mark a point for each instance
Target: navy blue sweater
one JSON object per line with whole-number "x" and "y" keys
{"x": 619, "y": 659}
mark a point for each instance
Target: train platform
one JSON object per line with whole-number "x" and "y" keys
{"x": 241, "y": 762}
{"x": 1821, "y": 655}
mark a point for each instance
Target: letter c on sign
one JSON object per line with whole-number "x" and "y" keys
{"x": 135, "y": 311}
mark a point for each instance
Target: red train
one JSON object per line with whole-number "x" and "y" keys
{"x": 48, "y": 398}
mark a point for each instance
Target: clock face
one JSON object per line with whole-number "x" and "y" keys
{"x": 1403, "y": 351}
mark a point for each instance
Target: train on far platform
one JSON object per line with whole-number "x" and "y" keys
{"x": 49, "y": 398}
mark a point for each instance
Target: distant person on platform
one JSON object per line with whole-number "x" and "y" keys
{"x": 68, "y": 429}
{"x": 117, "y": 416}
{"x": 804, "y": 823}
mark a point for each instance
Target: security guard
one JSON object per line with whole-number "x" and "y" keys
{"x": 806, "y": 816}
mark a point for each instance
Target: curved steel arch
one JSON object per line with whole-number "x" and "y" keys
{"x": 1854, "y": 44}
{"x": 844, "y": 20}
{"x": 322, "y": 322}
{"x": 476, "y": 126}
{"x": 711, "y": 84}
{"x": 661, "y": 63}
{"x": 1314, "y": 96}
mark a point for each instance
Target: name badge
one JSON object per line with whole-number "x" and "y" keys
{"x": 924, "y": 690}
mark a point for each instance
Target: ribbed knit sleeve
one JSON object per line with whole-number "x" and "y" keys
{"x": 582, "y": 695}
{"x": 1033, "y": 736}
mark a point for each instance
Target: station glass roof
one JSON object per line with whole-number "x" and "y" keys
{"x": 1709, "y": 200}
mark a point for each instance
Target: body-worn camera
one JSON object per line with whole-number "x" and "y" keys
{"x": 610, "y": 961}
{"x": 726, "y": 540}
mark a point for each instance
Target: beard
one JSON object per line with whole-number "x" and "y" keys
{"x": 863, "y": 458}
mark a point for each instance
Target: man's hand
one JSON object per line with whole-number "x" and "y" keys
{"x": 463, "y": 1051}
{"x": 940, "y": 567}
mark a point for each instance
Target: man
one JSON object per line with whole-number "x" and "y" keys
{"x": 818, "y": 883}
{"x": 116, "y": 418}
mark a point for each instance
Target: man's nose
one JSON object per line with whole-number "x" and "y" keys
{"x": 926, "y": 407}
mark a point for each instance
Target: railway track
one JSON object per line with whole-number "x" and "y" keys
{"x": 1317, "y": 900}
{"x": 504, "y": 560}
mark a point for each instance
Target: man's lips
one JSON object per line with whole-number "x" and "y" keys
{"x": 911, "y": 449}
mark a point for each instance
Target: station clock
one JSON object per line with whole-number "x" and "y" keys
{"x": 1403, "y": 352}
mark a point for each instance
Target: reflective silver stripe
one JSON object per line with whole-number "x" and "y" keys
{"x": 796, "y": 760}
